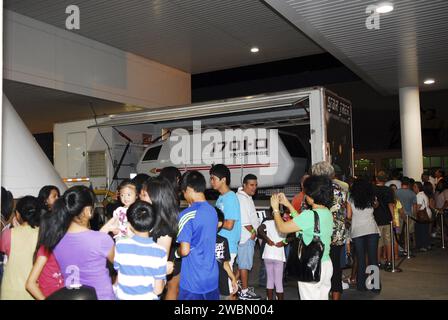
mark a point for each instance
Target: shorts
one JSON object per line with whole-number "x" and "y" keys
{"x": 187, "y": 295}
{"x": 384, "y": 236}
{"x": 177, "y": 263}
{"x": 245, "y": 257}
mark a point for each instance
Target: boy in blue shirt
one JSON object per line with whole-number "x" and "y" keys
{"x": 229, "y": 204}
{"x": 197, "y": 237}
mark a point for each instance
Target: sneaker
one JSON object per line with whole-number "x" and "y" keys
{"x": 249, "y": 295}
{"x": 423, "y": 249}
{"x": 345, "y": 285}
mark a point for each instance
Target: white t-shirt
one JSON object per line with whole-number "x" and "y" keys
{"x": 422, "y": 199}
{"x": 248, "y": 214}
{"x": 440, "y": 198}
{"x": 273, "y": 252}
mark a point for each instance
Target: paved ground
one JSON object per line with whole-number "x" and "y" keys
{"x": 423, "y": 277}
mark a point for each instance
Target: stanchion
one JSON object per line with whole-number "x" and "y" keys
{"x": 392, "y": 245}
{"x": 408, "y": 245}
{"x": 442, "y": 228}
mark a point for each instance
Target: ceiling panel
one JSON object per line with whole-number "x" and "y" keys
{"x": 195, "y": 36}
{"x": 410, "y": 45}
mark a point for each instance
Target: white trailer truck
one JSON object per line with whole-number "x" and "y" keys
{"x": 313, "y": 124}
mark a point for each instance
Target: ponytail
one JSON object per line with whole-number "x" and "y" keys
{"x": 56, "y": 222}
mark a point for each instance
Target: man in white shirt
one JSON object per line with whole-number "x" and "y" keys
{"x": 249, "y": 225}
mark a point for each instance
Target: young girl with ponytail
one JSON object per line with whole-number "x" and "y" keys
{"x": 80, "y": 252}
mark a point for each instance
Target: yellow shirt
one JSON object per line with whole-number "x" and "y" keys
{"x": 397, "y": 208}
{"x": 20, "y": 263}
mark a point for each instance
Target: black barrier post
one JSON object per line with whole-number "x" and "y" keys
{"x": 442, "y": 228}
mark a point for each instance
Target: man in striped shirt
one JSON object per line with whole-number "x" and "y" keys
{"x": 198, "y": 226}
{"x": 141, "y": 263}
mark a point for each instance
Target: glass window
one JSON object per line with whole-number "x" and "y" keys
{"x": 152, "y": 154}
{"x": 436, "y": 162}
{"x": 426, "y": 162}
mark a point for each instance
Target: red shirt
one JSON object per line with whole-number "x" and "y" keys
{"x": 50, "y": 279}
{"x": 5, "y": 242}
{"x": 297, "y": 201}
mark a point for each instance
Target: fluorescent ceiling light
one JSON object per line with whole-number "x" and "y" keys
{"x": 384, "y": 8}
{"x": 254, "y": 49}
{"x": 429, "y": 81}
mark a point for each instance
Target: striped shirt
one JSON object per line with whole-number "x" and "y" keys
{"x": 139, "y": 262}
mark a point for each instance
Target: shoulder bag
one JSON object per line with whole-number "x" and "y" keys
{"x": 310, "y": 256}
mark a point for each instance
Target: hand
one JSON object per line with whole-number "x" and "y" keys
{"x": 270, "y": 243}
{"x": 274, "y": 202}
{"x": 279, "y": 244}
{"x": 282, "y": 199}
{"x": 234, "y": 286}
{"x": 169, "y": 267}
{"x": 111, "y": 226}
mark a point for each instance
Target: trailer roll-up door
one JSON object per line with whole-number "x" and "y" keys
{"x": 289, "y": 105}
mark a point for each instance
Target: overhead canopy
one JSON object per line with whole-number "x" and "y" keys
{"x": 252, "y": 109}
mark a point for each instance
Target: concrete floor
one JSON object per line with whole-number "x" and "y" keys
{"x": 424, "y": 277}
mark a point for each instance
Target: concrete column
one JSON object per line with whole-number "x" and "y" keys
{"x": 411, "y": 132}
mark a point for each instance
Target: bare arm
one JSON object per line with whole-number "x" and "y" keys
{"x": 111, "y": 255}
{"x": 252, "y": 230}
{"x": 391, "y": 209}
{"x": 226, "y": 267}
{"x": 262, "y": 234}
{"x": 228, "y": 224}
{"x": 165, "y": 242}
{"x": 184, "y": 249}
{"x": 158, "y": 286}
{"x": 285, "y": 227}
{"x": 349, "y": 211}
{"x": 31, "y": 284}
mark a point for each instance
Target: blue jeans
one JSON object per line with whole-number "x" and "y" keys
{"x": 365, "y": 244}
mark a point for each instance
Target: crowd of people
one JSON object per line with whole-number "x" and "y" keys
{"x": 54, "y": 246}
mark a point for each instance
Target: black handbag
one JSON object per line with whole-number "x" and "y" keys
{"x": 310, "y": 256}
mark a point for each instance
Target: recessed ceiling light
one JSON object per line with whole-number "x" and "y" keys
{"x": 384, "y": 7}
{"x": 429, "y": 81}
{"x": 254, "y": 49}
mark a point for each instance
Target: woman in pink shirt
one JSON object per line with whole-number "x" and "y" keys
{"x": 45, "y": 277}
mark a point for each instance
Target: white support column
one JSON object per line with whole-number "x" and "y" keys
{"x": 411, "y": 132}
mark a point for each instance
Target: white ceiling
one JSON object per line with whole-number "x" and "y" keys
{"x": 206, "y": 35}
{"x": 40, "y": 107}
{"x": 195, "y": 36}
{"x": 410, "y": 46}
